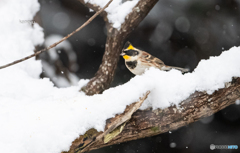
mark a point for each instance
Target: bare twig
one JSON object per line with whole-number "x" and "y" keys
{"x": 55, "y": 44}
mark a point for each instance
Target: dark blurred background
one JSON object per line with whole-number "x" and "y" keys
{"x": 179, "y": 32}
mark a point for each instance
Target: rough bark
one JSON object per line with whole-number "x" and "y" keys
{"x": 145, "y": 123}
{"x": 82, "y": 144}
{"x": 115, "y": 38}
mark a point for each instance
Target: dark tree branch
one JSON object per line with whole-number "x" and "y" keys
{"x": 145, "y": 123}
{"x": 115, "y": 39}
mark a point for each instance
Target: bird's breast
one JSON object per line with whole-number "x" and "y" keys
{"x": 136, "y": 67}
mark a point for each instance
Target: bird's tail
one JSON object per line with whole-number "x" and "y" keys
{"x": 183, "y": 70}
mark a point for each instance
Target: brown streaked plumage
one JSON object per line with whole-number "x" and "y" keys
{"x": 138, "y": 61}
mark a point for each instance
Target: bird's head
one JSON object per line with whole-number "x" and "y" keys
{"x": 129, "y": 52}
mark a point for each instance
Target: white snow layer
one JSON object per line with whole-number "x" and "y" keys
{"x": 36, "y": 117}
{"x": 116, "y": 11}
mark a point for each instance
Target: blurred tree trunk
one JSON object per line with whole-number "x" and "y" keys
{"x": 113, "y": 47}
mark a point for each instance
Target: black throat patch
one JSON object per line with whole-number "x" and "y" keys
{"x": 131, "y": 64}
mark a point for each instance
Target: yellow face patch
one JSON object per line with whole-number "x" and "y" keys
{"x": 126, "y": 57}
{"x": 130, "y": 47}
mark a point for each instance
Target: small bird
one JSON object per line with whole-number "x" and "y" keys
{"x": 137, "y": 61}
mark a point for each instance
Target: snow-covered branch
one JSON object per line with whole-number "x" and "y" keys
{"x": 149, "y": 122}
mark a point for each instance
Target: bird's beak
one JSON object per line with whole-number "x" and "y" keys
{"x": 122, "y": 54}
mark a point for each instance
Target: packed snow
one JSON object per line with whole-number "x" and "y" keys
{"x": 116, "y": 11}
{"x": 36, "y": 117}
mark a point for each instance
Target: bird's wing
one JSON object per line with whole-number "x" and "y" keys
{"x": 153, "y": 60}
{"x": 156, "y": 62}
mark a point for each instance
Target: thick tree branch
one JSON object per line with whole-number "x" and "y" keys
{"x": 114, "y": 43}
{"x": 145, "y": 123}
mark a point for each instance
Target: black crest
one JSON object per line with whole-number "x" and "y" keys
{"x": 127, "y": 44}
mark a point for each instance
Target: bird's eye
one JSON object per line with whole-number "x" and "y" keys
{"x": 135, "y": 52}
